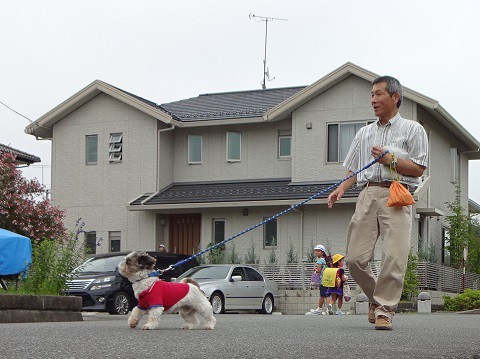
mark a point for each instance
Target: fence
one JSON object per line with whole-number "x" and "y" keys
{"x": 431, "y": 276}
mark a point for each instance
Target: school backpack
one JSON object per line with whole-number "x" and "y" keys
{"x": 331, "y": 278}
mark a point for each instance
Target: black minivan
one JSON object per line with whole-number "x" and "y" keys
{"x": 104, "y": 289}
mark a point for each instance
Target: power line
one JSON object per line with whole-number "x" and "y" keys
{"x": 18, "y": 113}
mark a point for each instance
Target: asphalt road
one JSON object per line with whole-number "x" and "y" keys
{"x": 248, "y": 336}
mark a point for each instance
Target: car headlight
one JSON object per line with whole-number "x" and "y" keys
{"x": 103, "y": 282}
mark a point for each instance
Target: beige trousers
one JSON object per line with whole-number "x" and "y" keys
{"x": 373, "y": 220}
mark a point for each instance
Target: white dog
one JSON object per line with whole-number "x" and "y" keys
{"x": 156, "y": 296}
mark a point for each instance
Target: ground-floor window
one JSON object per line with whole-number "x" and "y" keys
{"x": 114, "y": 239}
{"x": 270, "y": 234}
{"x": 90, "y": 243}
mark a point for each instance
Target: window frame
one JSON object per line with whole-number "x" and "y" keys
{"x": 266, "y": 227}
{"x": 87, "y": 243}
{"x": 446, "y": 256}
{"x": 339, "y": 125}
{"x": 115, "y": 149}
{"x": 114, "y": 236}
{"x": 280, "y": 137}
{"x": 214, "y": 232}
{"x": 228, "y": 146}
{"x": 87, "y": 148}
{"x": 189, "y": 150}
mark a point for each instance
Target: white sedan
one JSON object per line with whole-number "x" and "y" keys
{"x": 235, "y": 287}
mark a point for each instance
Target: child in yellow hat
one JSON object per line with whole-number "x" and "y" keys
{"x": 336, "y": 292}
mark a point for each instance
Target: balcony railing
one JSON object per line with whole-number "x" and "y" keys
{"x": 431, "y": 276}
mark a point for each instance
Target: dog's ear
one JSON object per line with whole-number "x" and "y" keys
{"x": 145, "y": 261}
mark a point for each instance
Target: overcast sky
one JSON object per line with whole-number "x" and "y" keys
{"x": 171, "y": 50}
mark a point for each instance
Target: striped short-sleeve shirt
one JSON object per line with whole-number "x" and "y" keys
{"x": 405, "y": 138}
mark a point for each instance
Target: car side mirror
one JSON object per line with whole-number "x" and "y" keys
{"x": 236, "y": 278}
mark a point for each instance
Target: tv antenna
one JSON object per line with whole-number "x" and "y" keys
{"x": 266, "y": 75}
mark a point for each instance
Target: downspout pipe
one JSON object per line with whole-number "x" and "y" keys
{"x": 159, "y": 132}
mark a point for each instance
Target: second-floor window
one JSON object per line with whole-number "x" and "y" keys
{"x": 234, "y": 146}
{"x": 340, "y": 137}
{"x": 91, "y": 149}
{"x": 194, "y": 149}
{"x": 284, "y": 146}
{"x": 115, "y": 147}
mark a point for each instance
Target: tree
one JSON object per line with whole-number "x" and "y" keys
{"x": 473, "y": 258}
{"x": 22, "y": 209}
{"x": 460, "y": 230}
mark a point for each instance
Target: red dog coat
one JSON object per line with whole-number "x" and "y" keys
{"x": 162, "y": 294}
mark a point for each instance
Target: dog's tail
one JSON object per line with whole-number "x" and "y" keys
{"x": 191, "y": 281}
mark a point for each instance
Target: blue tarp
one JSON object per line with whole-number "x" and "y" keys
{"x": 15, "y": 253}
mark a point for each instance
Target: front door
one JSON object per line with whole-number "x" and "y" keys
{"x": 185, "y": 233}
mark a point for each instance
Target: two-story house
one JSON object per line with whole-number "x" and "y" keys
{"x": 199, "y": 170}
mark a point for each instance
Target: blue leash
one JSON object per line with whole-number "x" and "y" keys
{"x": 159, "y": 272}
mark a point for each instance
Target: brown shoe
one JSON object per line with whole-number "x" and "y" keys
{"x": 383, "y": 322}
{"x": 371, "y": 313}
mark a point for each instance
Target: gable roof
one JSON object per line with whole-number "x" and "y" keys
{"x": 219, "y": 106}
{"x": 21, "y": 157}
{"x": 243, "y": 106}
{"x": 42, "y": 127}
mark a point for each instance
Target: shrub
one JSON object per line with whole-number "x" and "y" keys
{"x": 272, "y": 257}
{"x": 469, "y": 299}
{"x": 53, "y": 262}
{"x": 292, "y": 256}
{"x": 251, "y": 256}
{"x": 410, "y": 284}
{"x": 233, "y": 257}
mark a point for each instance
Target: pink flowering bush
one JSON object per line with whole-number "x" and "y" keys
{"x": 22, "y": 208}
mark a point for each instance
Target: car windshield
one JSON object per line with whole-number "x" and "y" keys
{"x": 206, "y": 273}
{"x": 108, "y": 264}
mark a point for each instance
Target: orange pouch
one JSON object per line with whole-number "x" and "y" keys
{"x": 399, "y": 196}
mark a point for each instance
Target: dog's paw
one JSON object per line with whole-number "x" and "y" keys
{"x": 209, "y": 326}
{"x": 147, "y": 327}
{"x": 188, "y": 326}
{"x": 132, "y": 322}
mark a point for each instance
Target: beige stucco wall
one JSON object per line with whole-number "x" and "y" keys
{"x": 258, "y": 153}
{"x": 99, "y": 193}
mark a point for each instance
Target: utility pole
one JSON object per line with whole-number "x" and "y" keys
{"x": 266, "y": 75}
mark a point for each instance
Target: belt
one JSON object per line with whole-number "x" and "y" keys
{"x": 385, "y": 184}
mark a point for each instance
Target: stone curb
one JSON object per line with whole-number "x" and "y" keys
{"x": 18, "y": 308}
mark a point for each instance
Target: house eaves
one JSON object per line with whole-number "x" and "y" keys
{"x": 244, "y": 193}
{"x": 21, "y": 157}
{"x": 284, "y": 109}
{"x": 43, "y": 127}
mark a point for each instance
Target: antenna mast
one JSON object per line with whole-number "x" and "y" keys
{"x": 265, "y": 68}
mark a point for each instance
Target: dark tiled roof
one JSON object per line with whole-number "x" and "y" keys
{"x": 225, "y": 105}
{"x": 21, "y": 157}
{"x": 236, "y": 191}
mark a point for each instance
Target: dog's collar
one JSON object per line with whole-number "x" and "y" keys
{"x": 152, "y": 274}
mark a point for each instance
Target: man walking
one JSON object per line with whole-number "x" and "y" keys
{"x": 407, "y": 144}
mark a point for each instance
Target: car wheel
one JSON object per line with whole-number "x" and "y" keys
{"x": 121, "y": 304}
{"x": 267, "y": 306}
{"x": 218, "y": 303}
